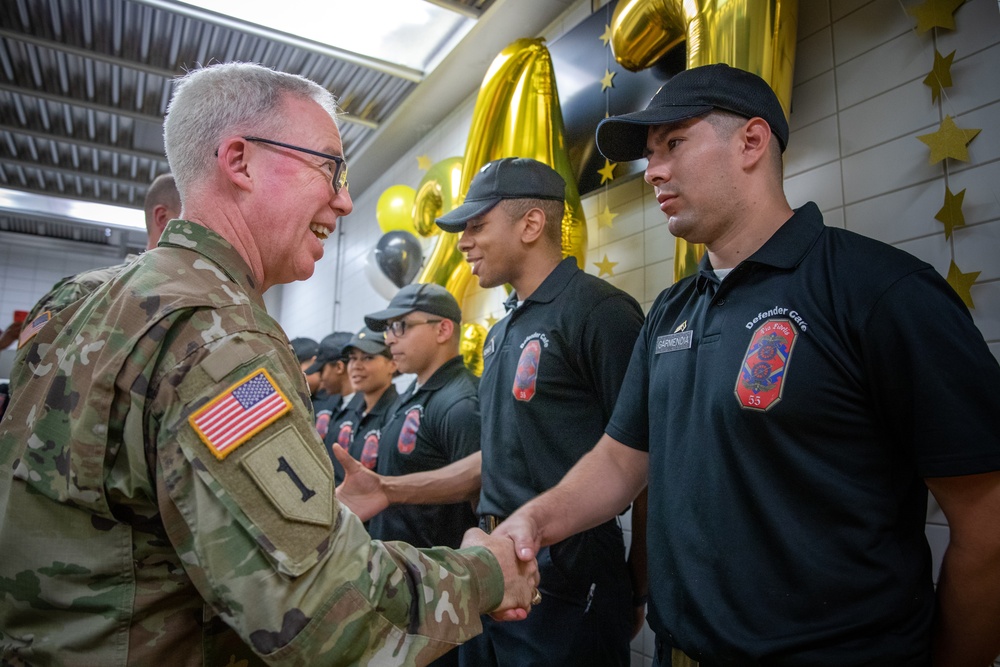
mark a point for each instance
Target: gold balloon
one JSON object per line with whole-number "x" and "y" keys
{"x": 754, "y": 35}
{"x": 437, "y": 194}
{"x": 394, "y": 209}
{"x": 517, "y": 114}
{"x": 471, "y": 346}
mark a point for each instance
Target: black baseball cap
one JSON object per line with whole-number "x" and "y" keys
{"x": 304, "y": 348}
{"x": 425, "y": 297}
{"x": 693, "y": 92}
{"x": 331, "y": 349}
{"x": 507, "y": 178}
{"x": 369, "y": 342}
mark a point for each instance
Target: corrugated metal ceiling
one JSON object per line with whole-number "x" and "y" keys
{"x": 85, "y": 85}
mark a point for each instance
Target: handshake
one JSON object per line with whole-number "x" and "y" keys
{"x": 515, "y": 552}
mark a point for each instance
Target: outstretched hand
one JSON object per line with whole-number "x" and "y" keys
{"x": 523, "y": 532}
{"x": 520, "y": 577}
{"x": 361, "y": 491}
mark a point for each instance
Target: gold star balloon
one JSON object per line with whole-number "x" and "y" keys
{"x": 607, "y": 267}
{"x": 962, "y": 283}
{"x": 607, "y": 172}
{"x": 949, "y": 141}
{"x": 940, "y": 74}
{"x": 606, "y": 218}
{"x": 490, "y": 321}
{"x": 951, "y": 213}
{"x": 423, "y": 162}
{"x": 935, "y": 14}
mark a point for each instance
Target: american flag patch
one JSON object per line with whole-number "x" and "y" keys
{"x": 31, "y": 329}
{"x": 239, "y": 413}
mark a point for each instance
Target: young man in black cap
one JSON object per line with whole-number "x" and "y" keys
{"x": 357, "y": 426}
{"x": 433, "y": 424}
{"x": 790, "y": 409}
{"x": 552, "y": 372}
{"x": 327, "y": 379}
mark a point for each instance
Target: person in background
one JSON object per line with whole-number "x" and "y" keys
{"x": 305, "y": 350}
{"x": 553, "y": 368}
{"x": 164, "y": 495}
{"x": 328, "y": 381}
{"x": 436, "y": 420}
{"x": 357, "y": 429}
{"x": 790, "y": 405}
{"x": 162, "y": 204}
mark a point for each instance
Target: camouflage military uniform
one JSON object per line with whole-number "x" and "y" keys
{"x": 68, "y": 290}
{"x": 130, "y": 536}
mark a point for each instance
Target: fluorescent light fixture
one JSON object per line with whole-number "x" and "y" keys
{"x": 71, "y": 210}
{"x": 414, "y": 33}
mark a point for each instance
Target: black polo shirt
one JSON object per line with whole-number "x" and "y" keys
{"x": 552, "y": 369}
{"x": 790, "y": 412}
{"x": 427, "y": 430}
{"x": 360, "y": 430}
{"x": 324, "y": 405}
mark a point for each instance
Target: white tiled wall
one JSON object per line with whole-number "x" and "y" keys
{"x": 29, "y": 270}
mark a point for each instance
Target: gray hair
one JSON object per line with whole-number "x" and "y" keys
{"x": 227, "y": 99}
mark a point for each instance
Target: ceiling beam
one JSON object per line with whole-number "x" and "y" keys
{"x": 106, "y": 180}
{"x": 459, "y": 8}
{"x": 359, "y": 59}
{"x": 168, "y": 74}
{"x": 76, "y": 141}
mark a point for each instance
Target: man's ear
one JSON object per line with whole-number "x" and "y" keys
{"x": 534, "y": 225}
{"x": 756, "y": 136}
{"x": 447, "y": 330}
{"x": 234, "y": 163}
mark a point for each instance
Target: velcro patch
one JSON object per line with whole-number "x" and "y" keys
{"x": 239, "y": 413}
{"x": 292, "y": 476}
{"x": 29, "y": 331}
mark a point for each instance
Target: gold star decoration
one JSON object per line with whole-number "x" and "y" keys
{"x": 935, "y": 14}
{"x": 607, "y": 172}
{"x": 951, "y": 213}
{"x": 949, "y": 141}
{"x": 232, "y": 662}
{"x": 608, "y": 268}
{"x": 423, "y": 162}
{"x": 606, "y": 35}
{"x": 940, "y": 74}
{"x": 606, "y": 81}
{"x": 962, "y": 283}
{"x": 605, "y": 218}
{"x": 490, "y": 321}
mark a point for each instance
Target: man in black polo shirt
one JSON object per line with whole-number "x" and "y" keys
{"x": 436, "y": 420}
{"x": 791, "y": 405}
{"x": 327, "y": 379}
{"x": 552, "y": 371}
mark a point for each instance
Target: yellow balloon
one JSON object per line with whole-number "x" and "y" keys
{"x": 394, "y": 210}
{"x": 754, "y": 35}
{"x": 471, "y": 346}
{"x": 437, "y": 194}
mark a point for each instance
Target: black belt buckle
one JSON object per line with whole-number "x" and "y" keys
{"x": 488, "y": 523}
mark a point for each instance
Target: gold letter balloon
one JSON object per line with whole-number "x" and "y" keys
{"x": 517, "y": 114}
{"x": 755, "y": 35}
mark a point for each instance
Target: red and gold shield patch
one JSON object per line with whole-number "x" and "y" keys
{"x": 369, "y": 453}
{"x": 408, "y": 435}
{"x": 762, "y": 374}
{"x": 527, "y": 371}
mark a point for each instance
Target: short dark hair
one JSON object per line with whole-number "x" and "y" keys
{"x": 553, "y": 210}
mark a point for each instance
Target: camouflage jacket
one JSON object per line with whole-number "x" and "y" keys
{"x": 74, "y": 288}
{"x": 165, "y": 499}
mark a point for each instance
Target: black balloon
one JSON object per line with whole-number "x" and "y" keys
{"x": 399, "y": 256}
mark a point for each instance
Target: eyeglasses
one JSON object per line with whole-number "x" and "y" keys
{"x": 399, "y": 327}
{"x": 339, "y": 172}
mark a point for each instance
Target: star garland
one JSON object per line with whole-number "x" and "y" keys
{"x": 606, "y": 267}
